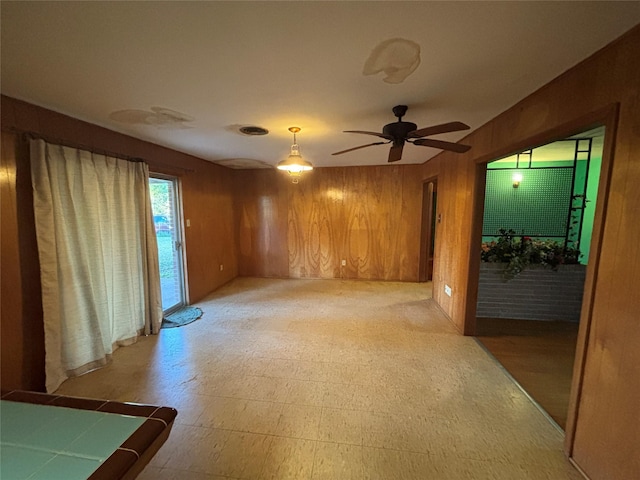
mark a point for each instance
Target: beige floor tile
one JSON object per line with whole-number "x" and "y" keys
{"x": 337, "y": 461}
{"x": 282, "y": 368}
{"x": 456, "y": 468}
{"x": 340, "y": 426}
{"x": 394, "y": 431}
{"x": 351, "y": 373}
{"x": 351, "y": 396}
{"x": 258, "y": 366}
{"x": 289, "y": 459}
{"x": 222, "y": 412}
{"x": 242, "y": 456}
{"x": 155, "y": 473}
{"x": 306, "y": 392}
{"x": 310, "y": 370}
{"x": 193, "y": 449}
{"x": 299, "y": 421}
{"x": 316, "y": 351}
{"x": 351, "y": 354}
{"x": 385, "y": 464}
{"x": 251, "y": 387}
{"x": 362, "y": 397}
{"x": 213, "y": 383}
{"x": 241, "y": 415}
{"x": 330, "y": 379}
{"x": 260, "y": 417}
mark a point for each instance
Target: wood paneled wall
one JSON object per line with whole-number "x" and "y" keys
{"x": 261, "y": 223}
{"x": 207, "y": 199}
{"x": 367, "y": 216}
{"x": 207, "y": 192}
{"x": 603, "y": 431}
{"x": 20, "y": 294}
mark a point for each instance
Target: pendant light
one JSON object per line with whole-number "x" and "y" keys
{"x": 294, "y": 165}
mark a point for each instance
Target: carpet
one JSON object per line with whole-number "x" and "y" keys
{"x": 183, "y": 316}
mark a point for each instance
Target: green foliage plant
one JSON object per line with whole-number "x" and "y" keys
{"x": 517, "y": 252}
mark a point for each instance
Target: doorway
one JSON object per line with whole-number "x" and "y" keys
{"x": 165, "y": 203}
{"x": 428, "y": 230}
{"x": 541, "y": 203}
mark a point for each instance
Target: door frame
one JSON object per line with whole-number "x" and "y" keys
{"x": 427, "y": 230}
{"x": 607, "y": 117}
{"x": 179, "y": 228}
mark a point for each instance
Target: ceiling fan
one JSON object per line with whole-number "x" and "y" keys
{"x": 400, "y": 132}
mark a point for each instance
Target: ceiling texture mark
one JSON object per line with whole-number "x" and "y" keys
{"x": 157, "y": 117}
{"x": 397, "y": 58}
{"x": 243, "y": 163}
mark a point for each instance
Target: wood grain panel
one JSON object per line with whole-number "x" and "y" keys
{"x": 261, "y": 223}
{"x": 606, "y": 392}
{"x": 316, "y": 217}
{"x": 608, "y": 414}
{"x": 367, "y": 216}
{"x": 210, "y": 241}
{"x": 21, "y": 309}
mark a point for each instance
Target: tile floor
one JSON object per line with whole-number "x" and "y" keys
{"x": 330, "y": 379}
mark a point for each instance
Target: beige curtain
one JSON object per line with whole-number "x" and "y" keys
{"x": 98, "y": 256}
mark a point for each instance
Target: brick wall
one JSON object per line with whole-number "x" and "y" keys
{"x": 537, "y": 293}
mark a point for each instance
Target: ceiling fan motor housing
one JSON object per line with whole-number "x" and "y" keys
{"x": 399, "y": 130}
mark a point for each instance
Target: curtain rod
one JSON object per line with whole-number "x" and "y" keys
{"x": 99, "y": 151}
{"x": 66, "y": 143}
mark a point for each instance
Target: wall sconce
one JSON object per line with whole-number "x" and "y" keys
{"x": 294, "y": 165}
{"x": 517, "y": 178}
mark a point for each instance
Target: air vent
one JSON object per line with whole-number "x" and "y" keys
{"x": 253, "y": 130}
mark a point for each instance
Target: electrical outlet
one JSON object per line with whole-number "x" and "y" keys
{"x": 447, "y": 289}
{"x": 343, "y": 263}
{"x": 188, "y": 222}
{"x": 221, "y": 267}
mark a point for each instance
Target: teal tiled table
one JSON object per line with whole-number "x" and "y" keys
{"x": 49, "y": 437}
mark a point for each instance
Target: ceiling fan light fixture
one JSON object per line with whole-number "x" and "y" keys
{"x": 295, "y": 165}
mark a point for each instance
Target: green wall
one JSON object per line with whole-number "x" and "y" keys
{"x": 590, "y": 209}
{"x": 536, "y": 208}
{"x": 539, "y": 206}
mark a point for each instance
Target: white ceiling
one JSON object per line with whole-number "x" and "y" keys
{"x": 191, "y": 73}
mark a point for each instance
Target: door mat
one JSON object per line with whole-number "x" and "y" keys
{"x": 183, "y": 316}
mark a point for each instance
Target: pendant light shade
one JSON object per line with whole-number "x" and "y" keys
{"x": 294, "y": 165}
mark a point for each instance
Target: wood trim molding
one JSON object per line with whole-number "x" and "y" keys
{"x": 474, "y": 251}
{"x": 609, "y": 118}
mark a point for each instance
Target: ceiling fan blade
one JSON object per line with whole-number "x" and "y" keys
{"x": 453, "y": 147}
{"x": 395, "y": 153}
{"x": 356, "y": 148}
{"x": 381, "y": 135}
{"x": 442, "y": 128}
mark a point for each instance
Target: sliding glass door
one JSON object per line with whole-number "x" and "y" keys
{"x": 165, "y": 203}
